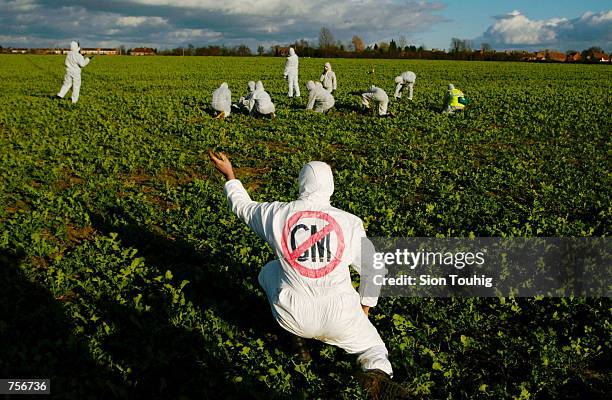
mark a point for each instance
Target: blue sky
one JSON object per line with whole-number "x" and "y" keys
{"x": 470, "y": 18}
{"x": 534, "y": 24}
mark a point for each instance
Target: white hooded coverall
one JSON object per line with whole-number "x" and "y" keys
{"x": 246, "y": 102}
{"x": 328, "y": 78}
{"x": 291, "y": 73}
{"x": 378, "y": 96}
{"x": 222, "y": 99}
{"x": 262, "y": 102}
{"x": 74, "y": 62}
{"x": 319, "y": 97}
{"x": 311, "y": 294}
{"x": 406, "y": 78}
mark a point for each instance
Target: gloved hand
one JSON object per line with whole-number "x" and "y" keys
{"x": 285, "y": 76}
{"x": 91, "y": 58}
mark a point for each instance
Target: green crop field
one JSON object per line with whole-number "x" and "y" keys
{"x": 124, "y": 274}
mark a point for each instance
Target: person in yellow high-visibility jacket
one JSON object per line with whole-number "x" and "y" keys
{"x": 453, "y": 100}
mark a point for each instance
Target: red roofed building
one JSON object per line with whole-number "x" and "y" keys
{"x": 142, "y": 51}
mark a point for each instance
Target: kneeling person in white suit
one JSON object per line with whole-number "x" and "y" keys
{"x": 246, "y": 103}
{"x": 262, "y": 101}
{"x": 309, "y": 285}
{"x": 319, "y": 97}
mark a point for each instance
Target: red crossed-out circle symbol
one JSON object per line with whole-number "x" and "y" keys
{"x": 292, "y": 256}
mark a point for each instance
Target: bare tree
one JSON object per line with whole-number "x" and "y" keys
{"x": 402, "y": 42}
{"x": 486, "y": 47}
{"x": 326, "y": 39}
{"x": 260, "y": 50}
{"x": 357, "y": 42}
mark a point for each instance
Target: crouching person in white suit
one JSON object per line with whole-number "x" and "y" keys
{"x": 405, "y": 79}
{"x": 319, "y": 97}
{"x": 222, "y": 101}
{"x": 377, "y": 96}
{"x": 309, "y": 285}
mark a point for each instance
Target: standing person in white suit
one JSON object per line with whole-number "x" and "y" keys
{"x": 377, "y": 96}
{"x": 308, "y": 285}
{"x": 405, "y": 79}
{"x": 291, "y": 73}
{"x": 328, "y": 78}
{"x": 222, "y": 101}
{"x": 74, "y": 62}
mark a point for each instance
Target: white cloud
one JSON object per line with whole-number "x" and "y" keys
{"x": 177, "y": 22}
{"x": 192, "y": 34}
{"x": 515, "y": 30}
{"x": 137, "y": 21}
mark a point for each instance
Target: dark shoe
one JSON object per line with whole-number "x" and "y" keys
{"x": 379, "y": 386}
{"x": 57, "y": 97}
{"x": 300, "y": 348}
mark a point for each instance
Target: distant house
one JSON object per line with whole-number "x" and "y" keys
{"x": 19, "y": 51}
{"x": 555, "y": 56}
{"x": 99, "y": 51}
{"x": 142, "y": 51}
{"x": 600, "y": 56}
{"x": 574, "y": 56}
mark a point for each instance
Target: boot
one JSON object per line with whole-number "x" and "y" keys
{"x": 379, "y": 386}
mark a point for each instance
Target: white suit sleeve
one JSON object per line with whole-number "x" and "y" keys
{"x": 334, "y": 81}
{"x": 312, "y": 97}
{"x": 82, "y": 61}
{"x": 286, "y": 67}
{"x": 363, "y": 263}
{"x": 256, "y": 215}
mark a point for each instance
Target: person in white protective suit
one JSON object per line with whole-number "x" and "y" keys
{"x": 291, "y": 73}
{"x": 246, "y": 103}
{"x": 377, "y": 96}
{"x": 319, "y": 97}
{"x": 74, "y": 62}
{"x": 407, "y": 78}
{"x": 262, "y": 102}
{"x": 308, "y": 285}
{"x": 222, "y": 101}
{"x": 328, "y": 78}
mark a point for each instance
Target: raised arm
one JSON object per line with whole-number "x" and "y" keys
{"x": 256, "y": 215}
{"x": 82, "y": 61}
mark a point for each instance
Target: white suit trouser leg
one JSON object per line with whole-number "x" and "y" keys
{"x": 382, "y": 107}
{"x": 369, "y": 97}
{"x": 398, "y": 90}
{"x": 71, "y": 80}
{"x": 336, "y": 320}
{"x": 292, "y": 80}
{"x": 410, "y": 88}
